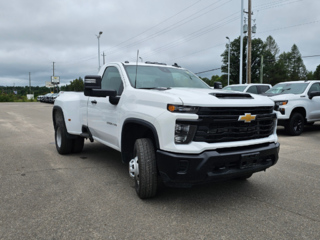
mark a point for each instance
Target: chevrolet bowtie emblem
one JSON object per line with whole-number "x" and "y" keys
{"x": 247, "y": 118}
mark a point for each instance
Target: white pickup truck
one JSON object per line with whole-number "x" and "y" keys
{"x": 168, "y": 125}
{"x": 297, "y": 104}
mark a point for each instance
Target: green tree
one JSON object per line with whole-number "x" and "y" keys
{"x": 272, "y": 46}
{"x": 234, "y": 60}
{"x": 75, "y": 85}
{"x": 316, "y": 74}
{"x": 310, "y": 75}
{"x": 258, "y": 49}
{"x": 297, "y": 68}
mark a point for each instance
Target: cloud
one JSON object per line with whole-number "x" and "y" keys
{"x": 36, "y": 33}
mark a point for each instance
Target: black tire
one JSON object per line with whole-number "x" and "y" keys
{"x": 77, "y": 145}
{"x": 309, "y": 123}
{"x": 245, "y": 177}
{"x": 295, "y": 124}
{"x": 146, "y": 180}
{"x": 63, "y": 144}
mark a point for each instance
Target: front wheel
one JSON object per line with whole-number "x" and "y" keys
{"x": 63, "y": 144}
{"x": 143, "y": 169}
{"x": 295, "y": 124}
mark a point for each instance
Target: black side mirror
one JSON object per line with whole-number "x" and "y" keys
{"x": 92, "y": 87}
{"x": 91, "y": 82}
{"x": 314, "y": 94}
{"x": 217, "y": 85}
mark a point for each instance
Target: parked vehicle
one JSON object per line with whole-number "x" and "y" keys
{"x": 40, "y": 97}
{"x": 296, "y": 103}
{"x": 167, "y": 123}
{"x": 53, "y": 97}
{"x": 45, "y": 97}
{"x": 256, "y": 88}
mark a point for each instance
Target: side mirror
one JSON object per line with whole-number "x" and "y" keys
{"x": 92, "y": 87}
{"x": 217, "y": 85}
{"x": 91, "y": 82}
{"x": 314, "y": 94}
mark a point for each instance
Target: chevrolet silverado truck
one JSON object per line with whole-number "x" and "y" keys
{"x": 168, "y": 125}
{"x": 297, "y": 104}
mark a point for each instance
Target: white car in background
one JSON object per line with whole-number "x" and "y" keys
{"x": 256, "y": 88}
{"x": 297, "y": 103}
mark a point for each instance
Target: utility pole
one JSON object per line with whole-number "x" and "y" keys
{"x": 249, "y": 42}
{"x": 241, "y": 44}
{"x": 98, "y": 36}
{"x": 103, "y": 58}
{"x": 261, "y": 69}
{"x": 30, "y": 82}
{"x": 53, "y": 76}
{"x": 228, "y": 62}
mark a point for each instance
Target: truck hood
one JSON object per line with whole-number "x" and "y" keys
{"x": 289, "y": 96}
{"x": 206, "y": 97}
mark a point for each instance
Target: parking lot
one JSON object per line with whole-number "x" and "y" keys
{"x": 90, "y": 195}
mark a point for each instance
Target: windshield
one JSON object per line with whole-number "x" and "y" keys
{"x": 154, "y": 76}
{"x": 235, "y": 88}
{"x": 283, "y": 88}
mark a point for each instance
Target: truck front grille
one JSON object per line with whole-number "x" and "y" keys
{"x": 222, "y": 124}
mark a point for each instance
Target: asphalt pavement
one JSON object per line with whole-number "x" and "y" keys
{"x": 90, "y": 195}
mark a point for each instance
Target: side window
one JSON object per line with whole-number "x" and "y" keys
{"x": 263, "y": 88}
{"x": 253, "y": 89}
{"x": 314, "y": 87}
{"x": 111, "y": 80}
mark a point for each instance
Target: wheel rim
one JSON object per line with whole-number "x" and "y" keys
{"x": 58, "y": 137}
{"x": 297, "y": 125}
{"x": 134, "y": 169}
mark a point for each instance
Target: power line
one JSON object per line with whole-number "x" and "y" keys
{"x": 290, "y": 26}
{"x": 151, "y": 36}
{"x": 279, "y": 5}
{"x": 310, "y": 56}
{"x": 167, "y": 29}
{"x": 191, "y": 36}
{"x": 155, "y": 25}
{"x": 199, "y": 51}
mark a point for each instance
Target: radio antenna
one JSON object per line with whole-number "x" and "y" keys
{"x": 135, "y": 81}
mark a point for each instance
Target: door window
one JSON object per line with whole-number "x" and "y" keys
{"x": 314, "y": 87}
{"x": 111, "y": 80}
{"x": 264, "y": 88}
{"x": 253, "y": 89}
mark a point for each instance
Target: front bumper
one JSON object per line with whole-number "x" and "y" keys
{"x": 185, "y": 170}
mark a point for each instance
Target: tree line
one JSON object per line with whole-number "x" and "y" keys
{"x": 287, "y": 66}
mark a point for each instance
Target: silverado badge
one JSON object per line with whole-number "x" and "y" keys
{"x": 247, "y": 118}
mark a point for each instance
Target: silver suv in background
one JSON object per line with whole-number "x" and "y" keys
{"x": 256, "y": 88}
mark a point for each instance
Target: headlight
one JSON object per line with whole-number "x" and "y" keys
{"x": 279, "y": 103}
{"x": 182, "y": 109}
{"x": 184, "y": 133}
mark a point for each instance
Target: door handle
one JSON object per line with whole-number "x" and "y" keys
{"x": 94, "y": 102}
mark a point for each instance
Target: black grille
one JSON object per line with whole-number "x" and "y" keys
{"x": 222, "y": 124}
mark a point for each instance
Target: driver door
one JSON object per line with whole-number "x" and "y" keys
{"x": 103, "y": 117}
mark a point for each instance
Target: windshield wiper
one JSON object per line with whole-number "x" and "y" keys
{"x": 157, "y": 88}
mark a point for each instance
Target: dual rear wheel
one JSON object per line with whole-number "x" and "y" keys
{"x": 64, "y": 144}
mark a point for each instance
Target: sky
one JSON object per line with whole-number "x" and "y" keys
{"x": 192, "y": 33}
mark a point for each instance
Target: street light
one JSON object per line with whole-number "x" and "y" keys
{"x": 141, "y": 59}
{"x": 98, "y": 36}
{"x": 228, "y": 62}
